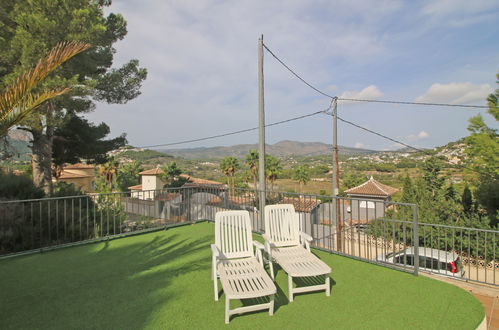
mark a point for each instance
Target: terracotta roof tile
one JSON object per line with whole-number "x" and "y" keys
{"x": 136, "y": 187}
{"x": 199, "y": 181}
{"x": 70, "y": 175}
{"x": 372, "y": 188}
{"x": 301, "y": 204}
{"x": 79, "y": 167}
{"x": 154, "y": 171}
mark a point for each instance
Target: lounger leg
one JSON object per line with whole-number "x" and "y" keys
{"x": 215, "y": 286}
{"x": 290, "y": 288}
{"x": 227, "y": 306}
{"x": 271, "y": 309}
{"x": 328, "y": 286}
{"x": 271, "y": 268}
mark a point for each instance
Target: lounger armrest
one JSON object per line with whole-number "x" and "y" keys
{"x": 267, "y": 238}
{"x": 268, "y": 241}
{"x": 215, "y": 252}
{"x": 259, "y": 247}
{"x": 306, "y": 240}
{"x": 306, "y": 237}
{"x": 269, "y": 244}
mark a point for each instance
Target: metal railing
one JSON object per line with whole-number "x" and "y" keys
{"x": 373, "y": 230}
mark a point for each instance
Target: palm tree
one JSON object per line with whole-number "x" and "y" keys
{"x": 171, "y": 174}
{"x": 302, "y": 175}
{"x": 229, "y": 166}
{"x": 252, "y": 163}
{"x": 108, "y": 170}
{"x": 17, "y": 100}
{"x": 273, "y": 168}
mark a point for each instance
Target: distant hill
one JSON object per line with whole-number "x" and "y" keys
{"x": 142, "y": 155}
{"x": 280, "y": 149}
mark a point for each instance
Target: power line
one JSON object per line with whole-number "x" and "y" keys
{"x": 379, "y": 134}
{"x": 296, "y": 74}
{"x": 427, "y": 152}
{"x": 234, "y": 132}
{"x": 417, "y": 103}
{"x": 367, "y": 100}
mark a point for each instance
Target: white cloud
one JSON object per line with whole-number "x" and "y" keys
{"x": 419, "y": 136}
{"x": 359, "y": 145}
{"x": 423, "y": 135}
{"x": 456, "y": 93}
{"x": 371, "y": 92}
{"x": 202, "y": 62}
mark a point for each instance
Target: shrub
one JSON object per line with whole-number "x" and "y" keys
{"x": 18, "y": 187}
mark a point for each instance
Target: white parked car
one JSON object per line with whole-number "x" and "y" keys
{"x": 430, "y": 260}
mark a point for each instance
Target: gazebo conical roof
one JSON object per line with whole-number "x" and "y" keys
{"x": 372, "y": 188}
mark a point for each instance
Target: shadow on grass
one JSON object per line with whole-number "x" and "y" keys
{"x": 116, "y": 286}
{"x": 281, "y": 297}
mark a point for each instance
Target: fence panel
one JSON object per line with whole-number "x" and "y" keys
{"x": 370, "y": 229}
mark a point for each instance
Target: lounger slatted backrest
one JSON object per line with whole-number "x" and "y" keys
{"x": 233, "y": 235}
{"x": 282, "y": 224}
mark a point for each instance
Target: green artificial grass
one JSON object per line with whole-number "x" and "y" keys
{"x": 161, "y": 280}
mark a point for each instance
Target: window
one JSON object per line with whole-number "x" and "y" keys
{"x": 405, "y": 260}
{"x": 429, "y": 263}
{"x": 366, "y": 204}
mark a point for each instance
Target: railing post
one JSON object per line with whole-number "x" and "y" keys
{"x": 416, "y": 238}
{"x": 189, "y": 206}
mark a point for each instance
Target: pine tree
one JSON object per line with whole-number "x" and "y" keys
{"x": 467, "y": 199}
{"x": 451, "y": 193}
{"x": 28, "y": 29}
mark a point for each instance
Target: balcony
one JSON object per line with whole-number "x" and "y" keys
{"x": 161, "y": 279}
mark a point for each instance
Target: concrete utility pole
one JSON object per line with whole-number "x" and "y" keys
{"x": 336, "y": 177}
{"x": 261, "y": 135}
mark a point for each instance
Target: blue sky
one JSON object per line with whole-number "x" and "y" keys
{"x": 202, "y": 62}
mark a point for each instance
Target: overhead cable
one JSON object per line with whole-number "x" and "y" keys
{"x": 379, "y": 134}
{"x": 234, "y": 132}
{"x": 367, "y": 100}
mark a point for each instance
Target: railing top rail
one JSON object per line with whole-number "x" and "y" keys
{"x": 42, "y": 199}
{"x": 329, "y": 196}
{"x": 86, "y": 195}
{"x": 193, "y": 188}
{"x": 459, "y": 227}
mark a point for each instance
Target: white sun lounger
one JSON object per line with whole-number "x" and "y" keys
{"x": 290, "y": 248}
{"x": 233, "y": 261}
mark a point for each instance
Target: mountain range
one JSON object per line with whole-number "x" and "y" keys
{"x": 280, "y": 149}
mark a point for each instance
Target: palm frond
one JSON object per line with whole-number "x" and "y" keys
{"x": 16, "y": 101}
{"x": 31, "y": 101}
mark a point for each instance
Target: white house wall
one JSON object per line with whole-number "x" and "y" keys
{"x": 151, "y": 182}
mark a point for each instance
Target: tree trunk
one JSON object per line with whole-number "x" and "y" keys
{"x": 41, "y": 160}
{"x": 255, "y": 186}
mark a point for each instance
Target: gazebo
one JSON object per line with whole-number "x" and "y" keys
{"x": 369, "y": 199}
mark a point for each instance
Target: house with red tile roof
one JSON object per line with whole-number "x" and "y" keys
{"x": 151, "y": 180}
{"x": 81, "y": 175}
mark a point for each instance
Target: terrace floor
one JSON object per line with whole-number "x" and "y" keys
{"x": 162, "y": 280}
